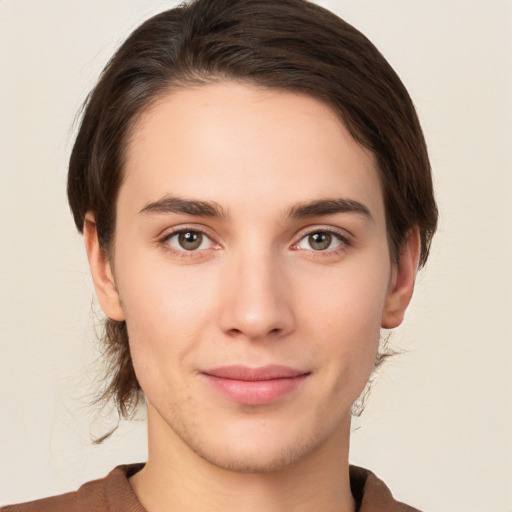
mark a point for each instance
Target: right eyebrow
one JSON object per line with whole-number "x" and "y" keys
{"x": 173, "y": 204}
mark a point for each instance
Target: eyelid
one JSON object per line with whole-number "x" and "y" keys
{"x": 163, "y": 238}
{"x": 341, "y": 234}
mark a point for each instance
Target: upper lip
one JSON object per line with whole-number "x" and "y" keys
{"x": 268, "y": 372}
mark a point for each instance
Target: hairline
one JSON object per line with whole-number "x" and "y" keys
{"x": 197, "y": 79}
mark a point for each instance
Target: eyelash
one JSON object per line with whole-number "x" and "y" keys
{"x": 344, "y": 240}
{"x": 183, "y": 253}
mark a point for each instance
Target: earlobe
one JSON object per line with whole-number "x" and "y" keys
{"x": 402, "y": 282}
{"x": 101, "y": 271}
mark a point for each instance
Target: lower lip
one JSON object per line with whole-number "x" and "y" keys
{"x": 256, "y": 392}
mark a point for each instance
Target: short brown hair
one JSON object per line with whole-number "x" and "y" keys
{"x": 290, "y": 44}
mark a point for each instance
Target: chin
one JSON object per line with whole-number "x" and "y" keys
{"x": 253, "y": 439}
{"x": 253, "y": 459}
{"x": 258, "y": 448}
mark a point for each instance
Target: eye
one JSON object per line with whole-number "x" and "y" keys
{"x": 189, "y": 240}
{"x": 320, "y": 241}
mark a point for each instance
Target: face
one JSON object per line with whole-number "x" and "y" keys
{"x": 252, "y": 267}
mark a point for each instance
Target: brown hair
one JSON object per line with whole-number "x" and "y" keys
{"x": 290, "y": 44}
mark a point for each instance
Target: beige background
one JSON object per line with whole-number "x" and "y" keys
{"x": 438, "y": 426}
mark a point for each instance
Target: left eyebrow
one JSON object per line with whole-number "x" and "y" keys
{"x": 323, "y": 207}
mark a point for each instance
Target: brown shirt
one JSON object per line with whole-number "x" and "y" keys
{"x": 114, "y": 494}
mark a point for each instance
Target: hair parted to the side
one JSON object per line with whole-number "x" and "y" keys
{"x": 290, "y": 45}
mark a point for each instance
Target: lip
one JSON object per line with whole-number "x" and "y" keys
{"x": 255, "y": 386}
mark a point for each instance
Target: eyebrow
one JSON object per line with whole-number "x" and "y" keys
{"x": 172, "y": 204}
{"x": 323, "y": 207}
{"x": 316, "y": 208}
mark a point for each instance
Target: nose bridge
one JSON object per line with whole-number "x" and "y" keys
{"x": 255, "y": 301}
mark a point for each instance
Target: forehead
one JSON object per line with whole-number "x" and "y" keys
{"x": 233, "y": 143}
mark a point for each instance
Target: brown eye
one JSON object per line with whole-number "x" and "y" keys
{"x": 319, "y": 241}
{"x": 190, "y": 240}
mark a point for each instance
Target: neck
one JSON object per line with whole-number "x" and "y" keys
{"x": 176, "y": 478}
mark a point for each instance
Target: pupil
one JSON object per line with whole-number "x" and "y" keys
{"x": 190, "y": 240}
{"x": 320, "y": 241}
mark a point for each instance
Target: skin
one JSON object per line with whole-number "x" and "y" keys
{"x": 258, "y": 290}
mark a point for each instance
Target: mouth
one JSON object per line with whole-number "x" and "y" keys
{"x": 255, "y": 386}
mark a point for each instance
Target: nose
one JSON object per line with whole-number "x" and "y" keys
{"x": 256, "y": 301}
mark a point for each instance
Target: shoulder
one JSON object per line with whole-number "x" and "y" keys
{"x": 372, "y": 494}
{"x": 63, "y": 502}
{"x": 108, "y": 494}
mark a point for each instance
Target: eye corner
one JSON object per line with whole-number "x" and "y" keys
{"x": 329, "y": 241}
{"x": 188, "y": 242}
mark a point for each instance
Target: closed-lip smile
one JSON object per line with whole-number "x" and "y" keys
{"x": 255, "y": 386}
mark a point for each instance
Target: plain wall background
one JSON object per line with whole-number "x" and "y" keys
{"x": 438, "y": 426}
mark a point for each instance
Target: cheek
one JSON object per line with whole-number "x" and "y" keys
{"x": 157, "y": 294}
{"x": 350, "y": 298}
{"x": 165, "y": 310}
{"x": 344, "y": 317}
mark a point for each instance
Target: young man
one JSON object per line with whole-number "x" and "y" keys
{"x": 255, "y": 195}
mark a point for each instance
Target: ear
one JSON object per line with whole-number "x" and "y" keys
{"x": 101, "y": 271}
{"x": 402, "y": 281}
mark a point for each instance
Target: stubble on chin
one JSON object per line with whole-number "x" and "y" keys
{"x": 245, "y": 457}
